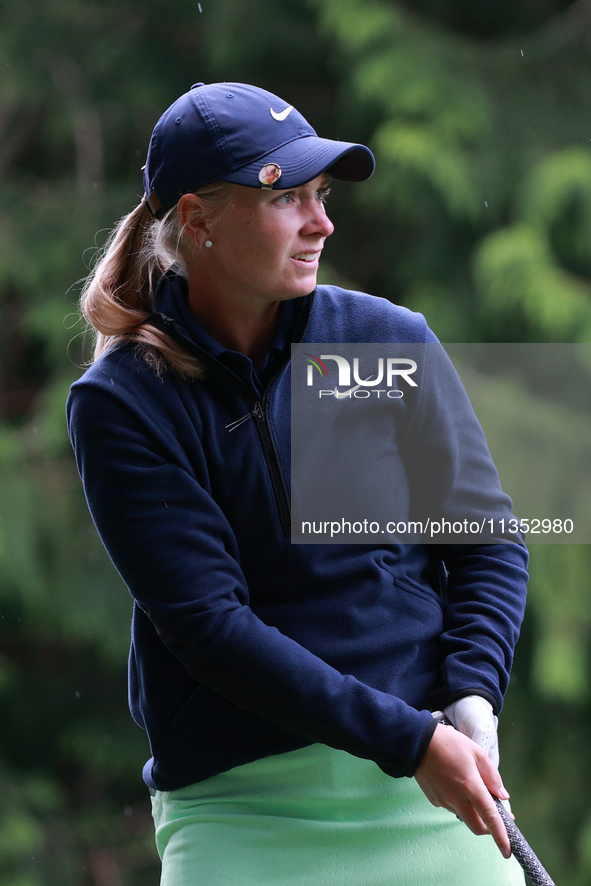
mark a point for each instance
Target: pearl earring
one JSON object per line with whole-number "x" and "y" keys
{"x": 208, "y": 243}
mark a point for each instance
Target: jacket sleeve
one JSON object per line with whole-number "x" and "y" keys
{"x": 454, "y": 479}
{"x": 176, "y": 552}
{"x": 483, "y": 611}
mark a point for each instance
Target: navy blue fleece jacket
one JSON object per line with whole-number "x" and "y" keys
{"x": 243, "y": 644}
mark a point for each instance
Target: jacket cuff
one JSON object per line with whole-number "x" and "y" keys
{"x": 423, "y": 746}
{"x": 422, "y": 750}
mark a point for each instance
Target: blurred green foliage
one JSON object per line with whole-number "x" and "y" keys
{"x": 479, "y": 215}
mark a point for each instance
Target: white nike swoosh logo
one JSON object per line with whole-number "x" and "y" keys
{"x": 340, "y": 395}
{"x": 282, "y": 115}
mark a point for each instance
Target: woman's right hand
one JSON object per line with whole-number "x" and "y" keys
{"x": 457, "y": 774}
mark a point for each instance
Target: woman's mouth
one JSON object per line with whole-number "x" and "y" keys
{"x": 306, "y": 256}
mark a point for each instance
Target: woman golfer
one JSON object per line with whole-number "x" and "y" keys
{"x": 286, "y": 689}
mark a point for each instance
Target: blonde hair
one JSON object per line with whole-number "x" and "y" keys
{"x": 118, "y": 295}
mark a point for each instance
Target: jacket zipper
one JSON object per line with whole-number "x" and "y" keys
{"x": 275, "y": 472}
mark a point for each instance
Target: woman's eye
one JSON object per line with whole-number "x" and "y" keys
{"x": 322, "y": 194}
{"x": 286, "y": 198}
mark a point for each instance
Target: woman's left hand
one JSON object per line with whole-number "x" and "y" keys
{"x": 473, "y": 715}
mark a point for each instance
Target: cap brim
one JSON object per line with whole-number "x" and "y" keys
{"x": 306, "y": 158}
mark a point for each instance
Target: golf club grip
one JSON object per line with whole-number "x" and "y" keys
{"x": 523, "y": 852}
{"x": 520, "y": 848}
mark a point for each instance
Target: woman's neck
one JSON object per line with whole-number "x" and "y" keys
{"x": 248, "y": 328}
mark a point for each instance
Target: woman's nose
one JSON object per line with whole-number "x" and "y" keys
{"x": 319, "y": 221}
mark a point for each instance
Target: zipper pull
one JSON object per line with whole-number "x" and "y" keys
{"x": 255, "y": 412}
{"x": 239, "y": 421}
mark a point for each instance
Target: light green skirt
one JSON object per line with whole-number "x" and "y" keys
{"x": 318, "y": 817}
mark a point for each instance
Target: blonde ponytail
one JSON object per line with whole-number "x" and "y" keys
{"x": 118, "y": 296}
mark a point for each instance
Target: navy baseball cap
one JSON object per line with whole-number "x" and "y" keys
{"x": 242, "y": 134}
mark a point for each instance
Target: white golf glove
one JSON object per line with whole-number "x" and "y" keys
{"x": 473, "y": 715}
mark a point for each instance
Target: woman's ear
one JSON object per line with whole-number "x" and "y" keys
{"x": 191, "y": 217}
